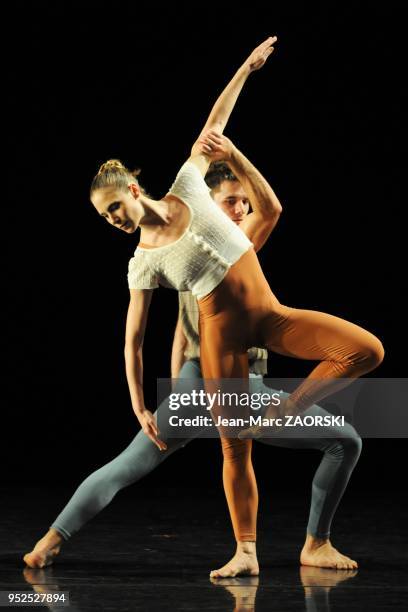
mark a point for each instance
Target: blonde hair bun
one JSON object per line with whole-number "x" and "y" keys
{"x": 112, "y": 165}
{"x": 114, "y": 174}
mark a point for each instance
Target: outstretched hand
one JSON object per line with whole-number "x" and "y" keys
{"x": 215, "y": 146}
{"x": 149, "y": 427}
{"x": 259, "y": 55}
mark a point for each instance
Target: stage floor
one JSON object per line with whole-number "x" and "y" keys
{"x": 152, "y": 549}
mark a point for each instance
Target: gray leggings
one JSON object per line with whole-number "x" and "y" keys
{"x": 340, "y": 455}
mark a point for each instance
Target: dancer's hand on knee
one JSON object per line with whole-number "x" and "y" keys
{"x": 149, "y": 427}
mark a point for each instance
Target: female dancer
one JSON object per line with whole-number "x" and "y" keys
{"x": 128, "y": 208}
{"x": 211, "y": 257}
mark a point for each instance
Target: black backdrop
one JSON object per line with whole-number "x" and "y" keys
{"x": 89, "y": 81}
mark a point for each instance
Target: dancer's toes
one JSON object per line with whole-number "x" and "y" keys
{"x": 325, "y": 555}
{"x": 44, "y": 551}
{"x": 241, "y": 564}
{"x": 39, "y": 560}
{"x": 346, "y": 562}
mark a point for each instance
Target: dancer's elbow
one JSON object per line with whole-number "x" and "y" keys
{"x": 276, "y": 207}
{"x": 133, "y": 347}
{"x": 276, "y": 213}
{"x": 272, "y": 214}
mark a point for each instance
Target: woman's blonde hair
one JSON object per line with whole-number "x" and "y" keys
{"x": 114, "y": 174}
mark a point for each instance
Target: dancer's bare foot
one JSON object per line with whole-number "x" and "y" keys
{"x": 243, "y": 563}
{"x": 45, "y": 550}
{"x": 320, "y": 553}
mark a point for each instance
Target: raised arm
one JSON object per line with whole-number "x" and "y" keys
{"x": 224, "y": 105}
{"x": 135, "y": 331}
{"x": 266, "y": 207}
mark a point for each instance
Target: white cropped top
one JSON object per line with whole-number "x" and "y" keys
{"x": 202, "y": 256}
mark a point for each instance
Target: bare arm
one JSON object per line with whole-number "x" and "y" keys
{"x": 178, "y": 348}
{"x": 135, "y": 331}
{"x": 266, "y": 207}
{"x": 224, "y": 105}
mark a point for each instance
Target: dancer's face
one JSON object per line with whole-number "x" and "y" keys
{"x": 120, "y": 208}
{"x": 232, "y": 199}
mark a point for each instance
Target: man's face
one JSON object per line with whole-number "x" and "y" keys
{"x": 232, "y": 199}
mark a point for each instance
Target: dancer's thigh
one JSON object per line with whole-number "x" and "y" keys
{"x": 309, "y": 334}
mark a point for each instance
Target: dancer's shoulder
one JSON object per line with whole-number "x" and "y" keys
{"x": 189, "y": 181}
{"x": 140, "y": 274}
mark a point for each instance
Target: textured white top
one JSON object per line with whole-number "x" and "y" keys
{"x": 202, "y": 256}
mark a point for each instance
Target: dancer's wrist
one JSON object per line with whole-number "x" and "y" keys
{"x": 234, "y": 157}
{"x": 244, "y": 70}
{"x": 139, "y": 410}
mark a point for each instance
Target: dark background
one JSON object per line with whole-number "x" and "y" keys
{"x": 88, "y": 81}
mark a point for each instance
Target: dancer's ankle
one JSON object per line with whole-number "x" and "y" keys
{"x": 246, "y": 547}
{"x": 312, "y": 542}
{"x": 55, "y": 535}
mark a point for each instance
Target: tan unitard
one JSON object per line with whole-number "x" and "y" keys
{"x": 241, "y": 312}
